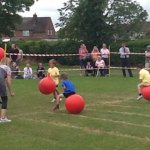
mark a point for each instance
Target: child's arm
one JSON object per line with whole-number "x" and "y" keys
{"x": 8, "y": 83}
{"x": 56, "y": 75}
{"x": 63, "y": 88}
{"x": 140, "y": 80}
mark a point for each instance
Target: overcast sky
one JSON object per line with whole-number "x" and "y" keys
{"x": 48, "y": 8}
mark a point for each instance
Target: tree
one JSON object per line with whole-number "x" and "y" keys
{"x": 86, "y": 22}
{"x": 97, "y": 20}
{"x": 67, "y": 12}
{"x": 125, "y": 16}
{"x": 9, "y": 14}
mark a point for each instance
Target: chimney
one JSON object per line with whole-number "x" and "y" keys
{"x": 34, "y": 18}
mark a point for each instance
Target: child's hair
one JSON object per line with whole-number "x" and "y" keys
{"x": 64, "y": 76}
{"x": 140, "y": 66}
{"x": 53, "y": 61}
{"x": 148, "y": 47}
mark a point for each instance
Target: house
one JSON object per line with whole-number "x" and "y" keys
{"x": 35, "y": 28}
{"x": 146, "y": 27}
{"x": 145, "y": 30}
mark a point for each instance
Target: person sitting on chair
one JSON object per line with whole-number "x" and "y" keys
{"x": 89, "y": 69}
{"x": 100, "y": 64}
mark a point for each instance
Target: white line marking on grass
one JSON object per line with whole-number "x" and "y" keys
{"x": 129, "y": 113}
{"x": 116, "y": 105}
{"x": 127, "y": 106}
{"x": 113, "y": 133}
{"x": 115, "y": 121}
{"x": 87, "y": 117}
{"x": 39, "y": 138}
{"x": 123, "y": 112}
{"x": 107, "y": 103}
{"x": 26, "y": 114}
{"x": 93, "y": 131}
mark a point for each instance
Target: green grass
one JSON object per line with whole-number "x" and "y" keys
{"x": 112, "y": 120}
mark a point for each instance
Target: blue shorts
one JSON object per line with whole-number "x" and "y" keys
{"x": 68, "y": 94}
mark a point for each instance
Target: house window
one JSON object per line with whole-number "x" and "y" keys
{"x": 49, "y": 32}
{"x": 26, "y": 33}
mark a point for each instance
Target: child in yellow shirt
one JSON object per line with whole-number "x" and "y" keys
{"x": 144, "y": 79}
{"x": 53, "y": 72}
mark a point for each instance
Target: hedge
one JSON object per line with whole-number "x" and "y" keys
{"x": 71, "y": 47}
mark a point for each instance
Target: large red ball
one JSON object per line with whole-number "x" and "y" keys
{"x": 146, "y": 92}
{"x": 2, "y": 53}
{"x": 75, "y": 104}
{"x": 47, "y": 86}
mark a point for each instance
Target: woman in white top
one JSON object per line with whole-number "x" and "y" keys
{"x": 28, "y": 73}
{"x": 105, "y": 56}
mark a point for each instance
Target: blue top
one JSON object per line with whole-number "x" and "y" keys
{"x": 69, "y": 86}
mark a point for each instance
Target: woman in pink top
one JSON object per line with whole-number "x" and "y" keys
{"x": 105, "y": 56}
{"x": 82, "y": 56}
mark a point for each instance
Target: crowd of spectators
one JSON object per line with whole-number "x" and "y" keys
{"x": 94, "y": 63}
{"x": 97, "y": 62}
{"x": 16, "y": 58}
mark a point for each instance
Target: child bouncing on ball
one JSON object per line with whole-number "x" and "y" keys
{"x": 68, "y": 87}
{"x": 144, "y": 79}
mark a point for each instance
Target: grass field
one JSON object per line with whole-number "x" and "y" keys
{"x": 112, "y": 120}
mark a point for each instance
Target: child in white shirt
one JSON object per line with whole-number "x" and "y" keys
{"x": 89, "y": 69}
{"x": 28, "y": 73}
{"x": 100, "y": 64}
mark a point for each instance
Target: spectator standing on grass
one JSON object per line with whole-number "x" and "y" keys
{"x": 147, "y": 58}
{"x": 105, "y": 56}
{"x": 20, "y": 55}
{"x": 82, "y": 57}
{"x": 28, "y": 73}
{"x": 125, "y": 59}
{"x": 5, "y": 80}
{"x": 14, "y": 53}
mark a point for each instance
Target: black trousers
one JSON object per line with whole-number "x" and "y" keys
{"x": 4, "y": 102}
{"x": 106, "y": 60}
{"x": 125, "y": 62}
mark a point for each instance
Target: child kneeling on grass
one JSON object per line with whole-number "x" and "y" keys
{"x": 144, "y": 79}
{"x": 69, "y": 89}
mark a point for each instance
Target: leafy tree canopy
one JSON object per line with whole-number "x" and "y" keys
{"x": 96, "y": 20}
{"x": 125, "y": 16}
